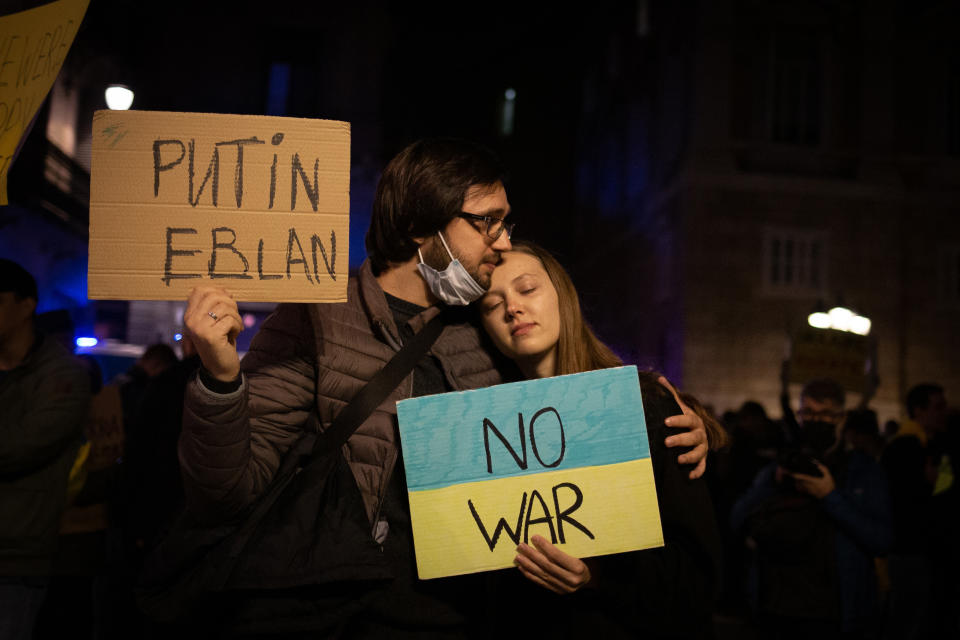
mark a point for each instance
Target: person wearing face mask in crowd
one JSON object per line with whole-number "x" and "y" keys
{"x": 439, "y": 226}
{"x": 814, "y": 520}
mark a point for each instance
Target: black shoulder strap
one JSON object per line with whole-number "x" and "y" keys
{"x": 379, "y": 387}
{"x": 343, "y": 426}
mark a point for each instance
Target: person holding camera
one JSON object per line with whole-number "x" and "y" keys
{"x": 814, "y": 520}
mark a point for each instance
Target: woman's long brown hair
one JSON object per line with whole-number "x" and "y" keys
{"x": 579, "y": 349}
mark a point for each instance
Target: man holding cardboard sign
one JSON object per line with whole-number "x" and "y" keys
{"x": 435, "y": 196}
{"x": 438, "y": 227}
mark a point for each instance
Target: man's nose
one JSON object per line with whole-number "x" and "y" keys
{"x": 502, "y": 243}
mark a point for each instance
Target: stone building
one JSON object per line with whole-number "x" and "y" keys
{"x": 780, "y": 157}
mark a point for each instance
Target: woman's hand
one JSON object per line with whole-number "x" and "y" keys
{"x": 695, "y": 436}
{"x": 213, "y": 321}
{"x": 551, "y": 568}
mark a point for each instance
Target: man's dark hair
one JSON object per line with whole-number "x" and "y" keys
{"x": 15, "y": 278}
{"x": 863, "y": 422}
{"x": 420, "y": 191}
{"x": 919, "y": 397}
{"x": 162, "y": 355}
{"x": 823, "y": 389}
{"x": 753, "y": 409}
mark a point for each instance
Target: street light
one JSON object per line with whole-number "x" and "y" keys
{"x": 841, "y": 319}
{"x": 119, "y": 97}
{"x": 860, "y": 325}
{"x": 819, "y": 320}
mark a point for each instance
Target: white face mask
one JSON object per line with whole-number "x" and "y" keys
{"x": 454, "y": 285}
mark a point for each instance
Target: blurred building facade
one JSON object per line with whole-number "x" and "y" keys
{"x": 794, "y": 155}
{"x": 710, "y": 172}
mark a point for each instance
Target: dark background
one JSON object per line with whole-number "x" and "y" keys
{"x": 662, "y": 150}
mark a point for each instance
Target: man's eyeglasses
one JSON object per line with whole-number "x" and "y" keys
{"x": 490, "y": 225}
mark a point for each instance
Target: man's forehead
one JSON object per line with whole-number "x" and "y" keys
{"x": 479, "y": 190}
{"x": 487, "y": 202}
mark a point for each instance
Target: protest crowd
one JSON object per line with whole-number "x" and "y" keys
{"x": 267, "y": 497}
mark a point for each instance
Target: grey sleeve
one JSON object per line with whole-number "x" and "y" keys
{"x": 232, "y": 444}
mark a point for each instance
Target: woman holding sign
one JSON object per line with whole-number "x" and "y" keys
{"x": 532, "y": 313}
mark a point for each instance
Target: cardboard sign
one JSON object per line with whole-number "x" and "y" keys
{"x": 33, "y": 45}
{"x": 258, "y": 205}
{"x": 566, "y": 458}
{"x": 828, "y": 353}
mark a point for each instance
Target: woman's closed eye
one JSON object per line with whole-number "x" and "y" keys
{"x": 491, "y": 306}
{"x": 526, "y": 284}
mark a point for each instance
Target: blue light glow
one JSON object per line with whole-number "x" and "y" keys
{"x": 178, "y": 337}
{"x": 86, "y": 342}
{"x": 278, "y": 89}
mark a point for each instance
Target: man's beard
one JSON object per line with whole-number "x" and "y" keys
{"x": 436, "y": 256}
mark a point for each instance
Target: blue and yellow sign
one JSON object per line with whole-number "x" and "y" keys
{"x": 566, "y": 458}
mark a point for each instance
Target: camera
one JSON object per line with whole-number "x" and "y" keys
{"x": 798, "y": 461}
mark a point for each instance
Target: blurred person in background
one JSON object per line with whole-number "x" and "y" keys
{"x": 156, "y": 359}
{"x": 755, "y": 439}
{"x": 861, "y": 432}
{"x": 944, "y": 533}
{"x": 918, "y": 466}
{"x": 44, "y": 393}
{"x": 815, "y": 520}
{"x": 154, "y": 491}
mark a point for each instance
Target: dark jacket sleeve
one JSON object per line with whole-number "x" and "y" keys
{"x": 53, "y": 413}
{"x": 861, "y": 508}
{"x": 761, "y": 489}
{"x": 903, "y": 460}
{"x": 232, "y": 444}
{"x": 670, "y": 590}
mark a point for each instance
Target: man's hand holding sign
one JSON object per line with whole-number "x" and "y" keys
{"x": 214, "y": 322}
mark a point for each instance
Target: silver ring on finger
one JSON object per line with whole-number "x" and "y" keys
{"x": 213, "y": 315}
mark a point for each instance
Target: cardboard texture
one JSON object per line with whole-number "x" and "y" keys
{"x": 828, "y": 353}
{"x": 33, "y": 45}
{"x": 566, "y": 458}
{"x": 258, "y": 205}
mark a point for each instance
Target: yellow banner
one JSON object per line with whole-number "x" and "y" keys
{"x": 477, "y": 526}
{"x": 33, "y": 45}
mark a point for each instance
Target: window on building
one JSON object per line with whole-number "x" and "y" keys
{"x": 794, "y": 262}
{"x": 949, "y": 276}
{"x": 952, "y": 106}
{"x": 795, "y": 93}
